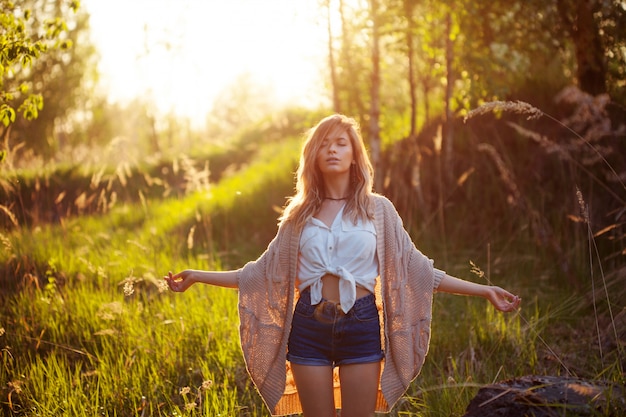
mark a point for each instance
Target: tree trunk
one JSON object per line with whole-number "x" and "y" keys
{"x": 374, "y": 122}
{"x": 408, "y": 12}
{"x": 577, "y": 17}
{"x": 331, "y": 62}
{"x": 447, "y": 147}
{"x": 416, "y": 177}
{"x": 548, "y": 396}
{"x": 352, "y": 89}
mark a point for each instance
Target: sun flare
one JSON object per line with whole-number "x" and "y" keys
{"x": 181, "y": 54}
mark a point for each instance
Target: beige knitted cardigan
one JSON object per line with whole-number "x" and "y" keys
{"x": 267, "y": 296}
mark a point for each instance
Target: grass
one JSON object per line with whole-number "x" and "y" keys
{"x": 89, "y": 321}
{"x": 87, "y": 328}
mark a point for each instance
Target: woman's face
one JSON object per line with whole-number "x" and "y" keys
{"x": 335, "y": 154}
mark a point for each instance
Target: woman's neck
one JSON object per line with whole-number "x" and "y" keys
{"x": 336, "y": 188}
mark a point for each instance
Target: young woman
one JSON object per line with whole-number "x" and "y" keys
{"x": 341, "y": 286}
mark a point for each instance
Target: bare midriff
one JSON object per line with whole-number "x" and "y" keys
{"x": 330, "y": 288}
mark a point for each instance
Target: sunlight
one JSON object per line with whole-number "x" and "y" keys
{"x": 180, "y": 55}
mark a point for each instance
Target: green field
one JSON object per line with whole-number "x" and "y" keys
{"x": 87, "y": 327}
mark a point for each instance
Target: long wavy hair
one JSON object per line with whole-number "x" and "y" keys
{"x": 310, "y": 188}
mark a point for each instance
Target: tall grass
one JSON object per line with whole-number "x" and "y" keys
{"x": 568, "y": 267}
{"x": 87, "y": 328}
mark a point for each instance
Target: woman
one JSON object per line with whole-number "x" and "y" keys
{"x": 362, "y": 292}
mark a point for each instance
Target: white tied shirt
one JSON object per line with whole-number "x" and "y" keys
{"x": 344, "y": 249}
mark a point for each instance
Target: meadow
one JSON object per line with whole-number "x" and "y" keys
{"x": 87, "y": 327}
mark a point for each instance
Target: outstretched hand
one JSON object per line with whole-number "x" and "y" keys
{"x": 502, "y": 299}
{"x": 179, "y": 282}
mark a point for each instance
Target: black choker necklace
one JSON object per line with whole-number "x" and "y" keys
{"x": 335, "y": 199}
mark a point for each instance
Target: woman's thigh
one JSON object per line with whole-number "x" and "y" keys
{"x": 315, "y": 388}
{"x": 359, "y": 388}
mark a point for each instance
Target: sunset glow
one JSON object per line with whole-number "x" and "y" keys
{"x": 181, "y": 54}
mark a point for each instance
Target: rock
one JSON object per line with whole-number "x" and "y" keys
{"x": 548, "y": 396}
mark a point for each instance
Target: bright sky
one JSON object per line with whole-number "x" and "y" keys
{"x": 182, "y": 53}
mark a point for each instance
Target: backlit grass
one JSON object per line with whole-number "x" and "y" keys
{"x": 87, "y": 328}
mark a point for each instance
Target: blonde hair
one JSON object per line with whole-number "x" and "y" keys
{"x": 310, "y": 190}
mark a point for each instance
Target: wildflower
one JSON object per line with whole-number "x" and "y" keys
{"x": 129, "y": 288}
{"x": 2, "y": 332}
{"x": 206, "y": 385}
{"x": 190, "y": 406}
{"x": 184, "y": 391}
{"x": 162, "y": 286}
{"x": 16, "y": 386}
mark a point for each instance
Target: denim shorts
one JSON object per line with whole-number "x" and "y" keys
{"x": 324, "y": 335}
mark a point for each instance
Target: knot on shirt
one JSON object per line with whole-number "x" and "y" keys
{"x": 347, "y": 288}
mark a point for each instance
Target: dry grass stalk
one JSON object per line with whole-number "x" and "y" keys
{"x": 543, "y": 141}
{"x": 540, "y": 227}
{"x": 9, "y": 214}
{"x": 584, "y": 209}
{"x": 590, "y": 115}
{"x": 190, "y": 236}
{"x": 519, "y": 107}
{"x": 195, "y": 179}
{"x": 505, "y": 172}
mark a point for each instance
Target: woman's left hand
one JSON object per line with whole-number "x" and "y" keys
{"x": 502, "y": 299}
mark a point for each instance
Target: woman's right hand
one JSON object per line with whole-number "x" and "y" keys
{"x": 181, "y": 281}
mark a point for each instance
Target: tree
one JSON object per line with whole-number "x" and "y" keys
{"x": 59, "y": 77}
{"x": 596, "y": 29}
{"x": 374, "y": 112}
{"x": 579, "y": 22}
{"x": 334, "y": 82}
{"x": 243, "y": 102}
{"x": 408, "y": 8}
{"x": 612, "y": 21}
{"x": 353, "y": 62}
{"x": 26, "y": 38}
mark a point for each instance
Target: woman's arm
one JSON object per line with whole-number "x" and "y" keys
{"x": 181, "y": 281}
{"x": 500, "y": 298}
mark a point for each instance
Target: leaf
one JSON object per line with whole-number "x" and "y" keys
{"x": 464, "y": 177}
{"x": 606, "y": 229}
{"x": 7, "y": 114}
{"x": 575, "y": 219}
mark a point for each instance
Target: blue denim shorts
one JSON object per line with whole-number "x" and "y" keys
{"x": 324, "y": 335}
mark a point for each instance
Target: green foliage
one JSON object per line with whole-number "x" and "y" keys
{"x": 21, "y": 44}
{"x": 7, "y": 114}
{"x": 493, "y": 50}
{"x": 62, "y": 77}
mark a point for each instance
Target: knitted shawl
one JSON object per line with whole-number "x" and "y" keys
{"x": 267, "y": 296}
